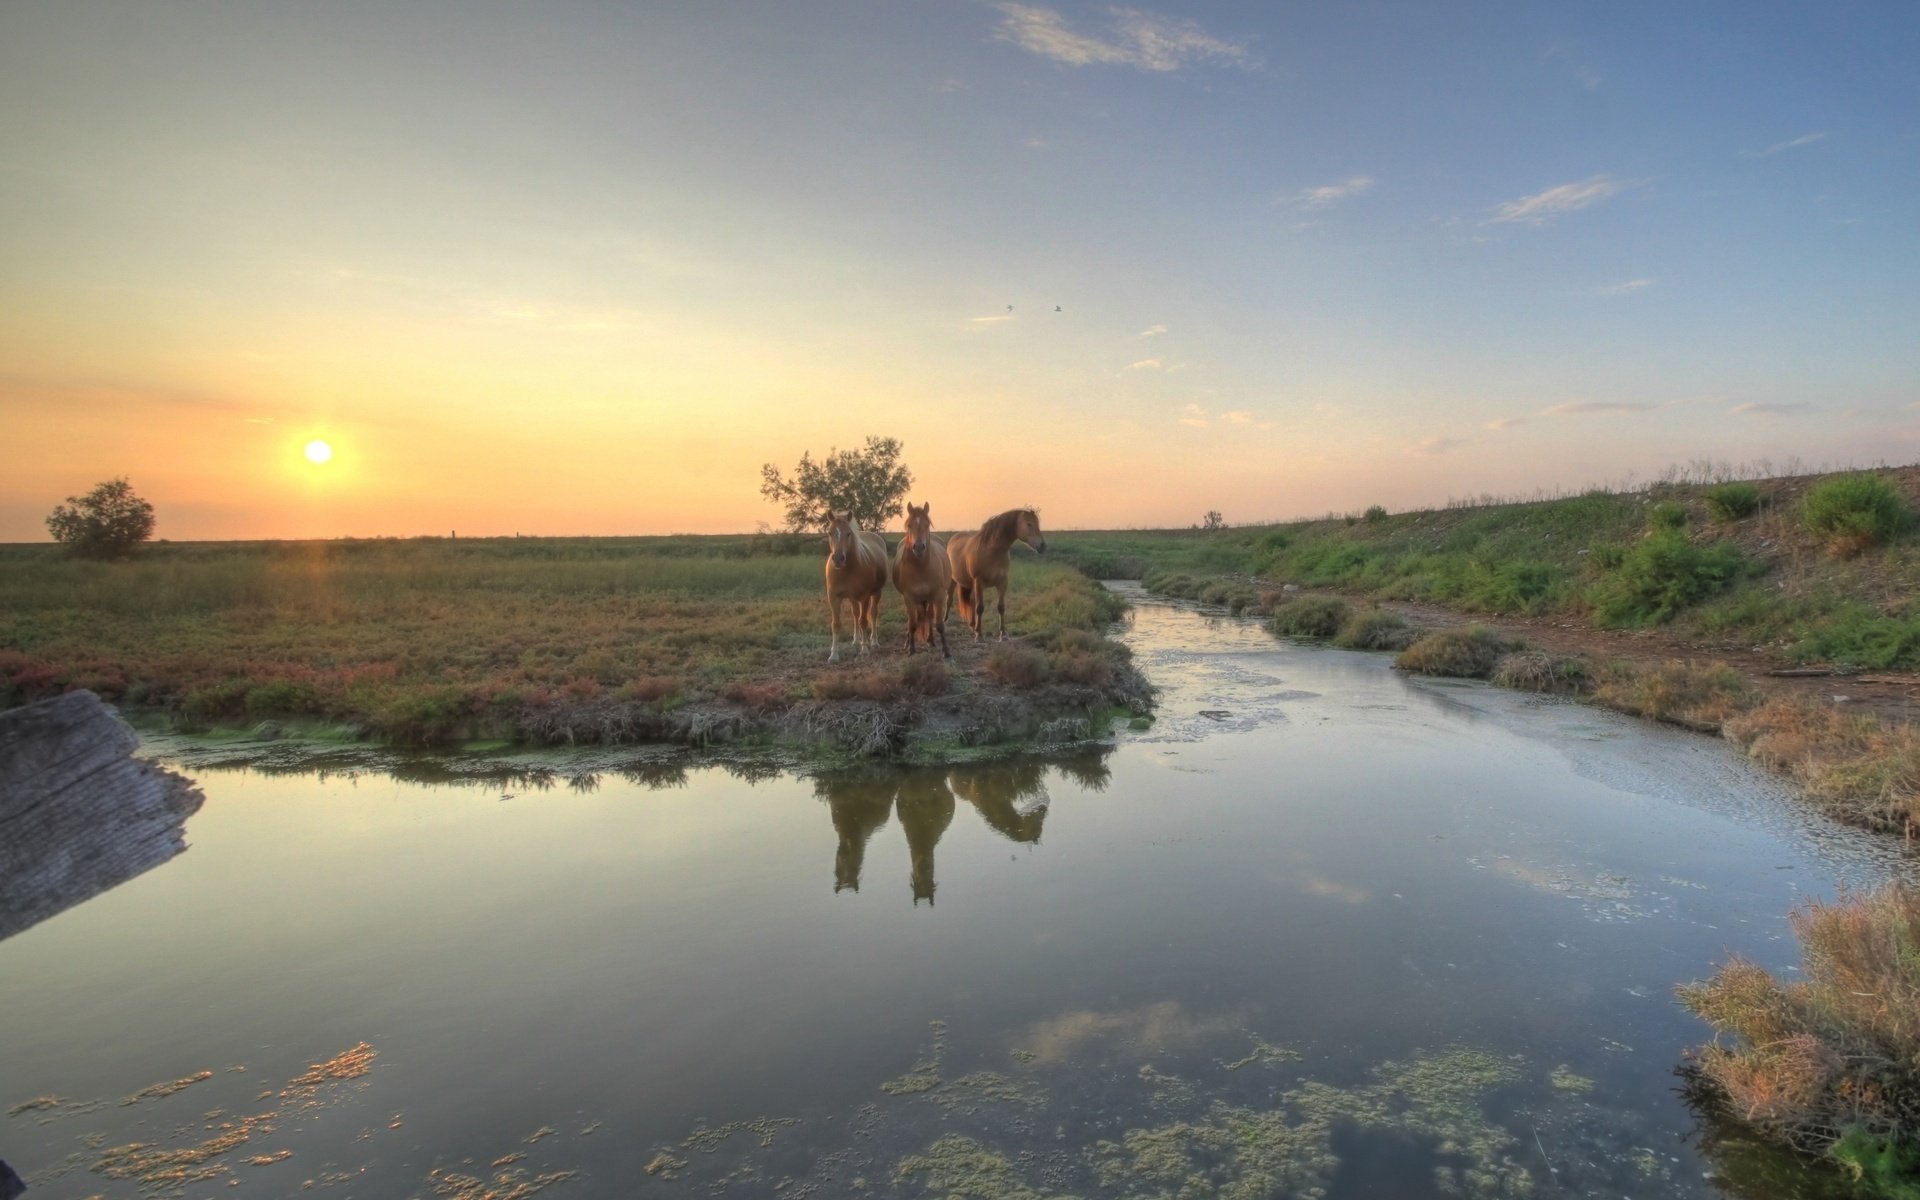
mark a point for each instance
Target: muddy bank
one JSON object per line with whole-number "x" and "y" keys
{"x": 561, "y": 741}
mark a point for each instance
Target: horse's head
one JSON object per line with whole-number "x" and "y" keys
{"x": 1026, "y": 528}
{"x": 919, "y": 530}
{"x": 840, "y": 530}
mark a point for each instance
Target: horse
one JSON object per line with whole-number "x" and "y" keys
{"x": 925, "y": 579}
{"x": 982, "y": 560}
{"x": 856, "y": 571}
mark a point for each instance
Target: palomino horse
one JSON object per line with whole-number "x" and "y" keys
{"x": 856, "y": 571}
{"x": 982, "y": 560}
{"x": 925, "y": 579}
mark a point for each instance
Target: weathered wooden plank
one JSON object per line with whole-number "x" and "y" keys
{"x": 78, "y": 813}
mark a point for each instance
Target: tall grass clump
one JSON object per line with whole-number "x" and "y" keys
{"x": 1854, "y": 512}
{"x": 1538, "y": 671}
{"x": 1700, "y": 696}
{"x": 1374, "y": 515}
{"x": 1661, "y": 575}
{"x": 1859, "y": 768}
{"x": 1733, "y": 501}
{"x": 1466, "y": 653}
{"x": 1376, "y": 629}
{"x": 1309, "y": 616}
{"x": 1828, "y": 1064}
{"x": 1666, "y": 517}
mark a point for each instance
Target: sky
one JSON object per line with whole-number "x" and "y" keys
{"x": 582, "y": 267}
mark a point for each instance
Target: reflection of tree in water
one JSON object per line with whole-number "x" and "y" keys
{"x": 656, "y": 773}
{"x": 1086, "y": 766}
{"x": 1011, "y": 796}
{"x": 925, "y": 805}
{"x": 859, "y": 802}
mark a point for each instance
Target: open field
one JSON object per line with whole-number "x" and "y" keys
{"x": 431, "y": 640}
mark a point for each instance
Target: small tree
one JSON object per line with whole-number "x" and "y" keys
{"x": 1213, "y": 521}
{"x": 105, "y": 523}
{"x": 869, "y": 483}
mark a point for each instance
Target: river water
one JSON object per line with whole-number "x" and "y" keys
{"x": 1321, "y": 930}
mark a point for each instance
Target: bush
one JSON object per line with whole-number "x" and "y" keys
{"x": 1376, "y": 629}
{"x": 1466, "y": 653}
{"x": 1662, "y": 575}
{"x": 857, "y": 685}
{"x": 1732, "y": 501}
{"x": 1309, "y": 616}
{"x": 1667, "y": 516}
{"x": 107, "y": 522}
{"x": 1608, "y": 555}
{"x": 1853, "y": 512}
{"x": 1698, "y": 696}
{"x": 1374, "y": 515}
{"x": 1859, "y": 638}
{"x": 1017, "y": 666}
{"x": 1827, "y": 1064}
{"x": 927, "y": 676}
{"x": 1538, "y": 671}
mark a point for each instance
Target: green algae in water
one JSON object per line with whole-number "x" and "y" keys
{"x": 1563, "y": 1079}
{"x": 959, "y": 1166}
{"x": 924, "y": 1075}
{"x": 1266, "y": 1054}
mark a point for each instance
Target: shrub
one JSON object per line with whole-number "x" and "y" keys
{"x": 1662, "y": 575}
{"x": 1374, "y": 515}
{"x": 1853, "y": 512}
{"x": 1826, "y": 1064}
{"x": 1667, "y": 516}
{"x": 1467, "y": 653}
{"x": 1608, "y": 555}
{"x": 1538, "y": 671}
{"x": 1309, "y": 616}
{"x": 1698, "y": 696}
{"x": 107, "y": 522}
{"x": 1857, "y": 637}
{"x": 927, "y": 676}
{"x": 1017, "y": 666}
{"x": 1733, "y": 501}
{"x": 1376, "y": 629}
{"x": 1215, "y": 593}
{"x": 282, "y": 697}
{"x": 857, "y": 685}
{"x": 650, "y": 689}
{"x": 758, "y": 697}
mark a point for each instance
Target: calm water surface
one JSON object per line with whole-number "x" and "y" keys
{"x": 1321, "y": 930}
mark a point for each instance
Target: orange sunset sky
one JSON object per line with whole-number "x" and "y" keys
{"x": 582, "y": 268}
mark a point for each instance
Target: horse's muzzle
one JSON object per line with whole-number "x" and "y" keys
{"x": 840, "y": 562}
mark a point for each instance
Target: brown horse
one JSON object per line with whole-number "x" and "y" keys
{"x": 856, "y": 571}
{"x": 925, "y": 579}
{"x": 982, "y": 560}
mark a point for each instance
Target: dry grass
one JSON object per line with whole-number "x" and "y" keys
{"x": 1830, "y": 1064}
{"x": 1700, "y": 696}
{"x": 1470, "y": 653}
{"x": 1310, "y": 617}
{"x": 1538, "y": 671}
{"x": 1376, "y": 629}
{"x": 1860, "y": 768}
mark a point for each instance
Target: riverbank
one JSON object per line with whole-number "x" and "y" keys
{"x": 435, "y": 643}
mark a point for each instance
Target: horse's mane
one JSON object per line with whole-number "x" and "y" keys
{"x": 1002, "y": 525}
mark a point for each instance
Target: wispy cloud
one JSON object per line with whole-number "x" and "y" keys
{"x": 988, "y": 322}
{"x": 1132, "y": 38}
{"x": 1768, "y": 410}
{"x": 1579, "y": 407}
{"x": 1145, "y": 364}
{"x": 1153, "y": 331}
{"x": 1506, "y": 422}
{"x": 1321, "y": 197}
{"x": 1194, "y": 415}
{"x": 1805, "y": 139}
{"x": 1238, "y": 416}
{"x": 1565, "y": 198}
{"x": 1436, "y": 445}
{"x": 1622, "y": 289}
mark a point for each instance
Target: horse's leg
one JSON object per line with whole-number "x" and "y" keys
{"x": 873, "y": 621}
{"x": 833, "y": 607}
{"x": 939, "y": 622}
{"x": 1000, "y": 593}
{"x": 913, "y": 625}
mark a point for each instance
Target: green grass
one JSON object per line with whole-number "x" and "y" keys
{"x": 1853, "y": 512}
{"x": 433, "y": 639}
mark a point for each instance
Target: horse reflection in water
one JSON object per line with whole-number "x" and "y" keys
{"x": 1010, "y": 796}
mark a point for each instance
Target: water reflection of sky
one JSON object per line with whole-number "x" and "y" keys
{"x": 1349, "y": 869}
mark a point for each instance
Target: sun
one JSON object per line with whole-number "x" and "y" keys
{"x": 318, "y": 452}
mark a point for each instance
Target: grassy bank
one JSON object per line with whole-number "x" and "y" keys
{"x": 429, "y": 640}
{"x": 1816, "y": 569}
